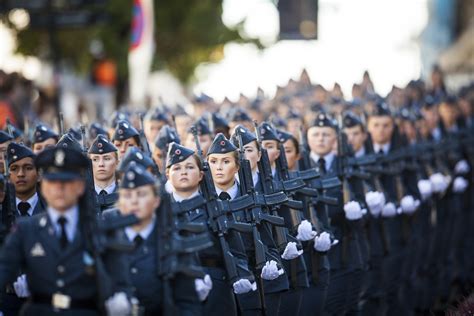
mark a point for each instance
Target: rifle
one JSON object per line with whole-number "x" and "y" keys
{"x": 221, "y": 220}
{"x": 61, "y": 124}
{"x": 174, "y": 251}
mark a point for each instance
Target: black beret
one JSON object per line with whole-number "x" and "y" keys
{"x": 292, "y": 115}
{"x": 135, "y": 154}
{"x": 42, "y": 133}
{"x": 429, "y": 101}
{"x": 61, "y": 163}
{"x": 17, "y": 152}
{"x": 201, "y": 126}
{"x": 96, "y": 129}
{"x": 135, "y": 175}
{"x": 157, "y": 115}
{"x": 119, "y": 116}
{"x": 221, "y": 145}
{"x": 323, "y": 120}
{"x": 68, "y": 141}
{"x": 351, "y": 120}
{"x": 284, "y": 136}
{"x": 219, "y": 121}
{"x": 4, "y": 137}
{"x": 267, "y": 132}
{"x": 247, "y": 136}
{"x": 101, "y": 145}
{"x": 406, "y": 115}
{"x": 380, "y": 109}
{"x": 76, "y": 133}
{"x": 203, "y": 98}
{"x": 166, "y": 136}
{"x": 124, "y": 130}
{"x": 239, "y": 115}
{"x": 177, "y": 153}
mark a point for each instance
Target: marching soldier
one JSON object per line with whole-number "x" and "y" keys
{"x": 125, "y": 136}
{"x": 43, "y": 138}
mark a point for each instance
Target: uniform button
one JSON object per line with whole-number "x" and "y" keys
{"x": 134, "y": 270}
{"x": 60, "y": 283}
{"x": 61, "y": 269}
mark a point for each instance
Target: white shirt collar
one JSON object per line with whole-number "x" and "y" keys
{"x": 144, "y": 233}
{"x": 436, "y": 133}
{"x": 109, "y": 189}
{"x": 72, "y": 217}
{"x": 328, "y": 158}
{"x": 255, "y": 178}
{"x": 360, "y": 152}
{"x": 32, "y": 201}
{"x": 232, "y": 191}
{"x": 385, "y": 148}
{"x": 179, "y": 198}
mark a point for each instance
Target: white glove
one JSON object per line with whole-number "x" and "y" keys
{"x": 244, "y": 286}
{"x": 460, "y": 185}
{"x": 322, "y": 242}
{"x": 305, "y": 231}
{"x": 354, "y": 211}
{"x": 425, "y": 188}
{"x": 270, "y": 270}
{"x": 118, "y": 305}
{"x": 21, "y": 286}
{"x": 462, "y": 167}
{"x": 375, "y": 201}
{"x": 291, "y": 251}
{"x": 389, "y": 210}
{"x": 439, "y": 182}
{"x": 409, "y": 205}
{"x": 203, "y": 287}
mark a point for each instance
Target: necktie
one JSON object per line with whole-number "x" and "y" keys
{"x": 103, "y": 192}
{"x": 63, "y": 241}
{"x": 23, "y": 207}
{"x": 381, "y": 152}
{"x": 138, "y": 240}
{"x": 224, "y": 196}
{"x": 322, "y": 165}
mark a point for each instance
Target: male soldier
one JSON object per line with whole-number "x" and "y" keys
{"x": 43, "y": 138}
{"x": 5, "y": 140}
{"x": 345, "y": 260}
{"x": 125, "y": 136}
{"x": 152, "y": 124}
{"x": 104, "y": 158}
{"x": 50, "y": 248}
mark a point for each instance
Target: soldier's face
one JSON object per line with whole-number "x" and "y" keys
{"x": 355, "y": 137}
{"x": 291, "y": 153}
{"x": 182, "y": 124}
{"x": 62, "y": 195}
{"x": 380, "y": 128}
{"x": 39, "y": 147}
{"x": 140, "y": 201}
{"x": 185, "y": 176}
{"x": 124, "y": 145}
{"x": 205, "y": 142}
{"x": 252, "y": 154}
{"x": 152, "y": 128}
{"x": 448, "y": 114}
{"x": 158, "y": 157}
{"x": 273, "y": 150}
{"x": 321, "y": 140}
{"x": 223, "y": 168}
{"x": 104, "y": 166}
{"x": 24, "y": 176}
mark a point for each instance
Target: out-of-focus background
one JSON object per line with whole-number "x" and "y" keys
{"x": 87, "y": 58}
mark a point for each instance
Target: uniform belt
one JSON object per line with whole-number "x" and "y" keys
{"x": 74, "y": 303}
{"x": 212, "y": 262}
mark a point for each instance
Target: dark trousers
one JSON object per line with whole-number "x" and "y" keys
{"x": 291, "y": 302}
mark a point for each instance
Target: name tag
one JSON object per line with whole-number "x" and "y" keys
{"x": 61, "y": 301}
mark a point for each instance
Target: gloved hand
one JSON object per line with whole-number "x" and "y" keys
{"x": 424, "y": 186}
{"x": 291, "y": 251}
{"x": 305, "y": 231}
{"x": 375, "y": 201}
{"x": 21, "y": 286}
{"x": 118, "y": 305}
{"x": 460, "y": 185}
{"x": 322, "y": 243}
{"x": 439, "y": 182}
{"x": 244, "y": 286}
{"x": 389, "y": 210}
{"x": 270, "y": 270}
{"x": 409, "y": 205}
{"x": 203, "y": 287}
{"x": 462, "y": 167}
{"x": 354, "y": 211}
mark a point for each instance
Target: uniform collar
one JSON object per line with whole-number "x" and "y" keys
{"x": 328, "y": 158}
{"x": 385, "y": 148}
{"x": 232, "y": 191}
{"x": 179, "y": 198}
{"x": 72, "y": 217}
{"x": 360, "y": 152}
{"x": 109, "y": 189}
{"x": 32, "y": 201}
{"x": 255, "y": 178}
{"x": 144, "y": 233}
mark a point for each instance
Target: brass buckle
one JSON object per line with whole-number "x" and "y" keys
{"x": 61, "y": 301}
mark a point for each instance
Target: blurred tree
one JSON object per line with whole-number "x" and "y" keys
{"x": 187, "y": 33}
